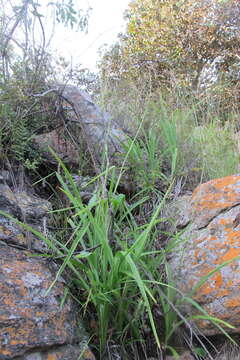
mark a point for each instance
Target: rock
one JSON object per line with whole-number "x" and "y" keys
{"x": 80, "y": 123}
{"x": 86, "y": 187}
{"x": 65, "y": 352}
{"x": 211, "y": 238}
{"x": 80, "y": 128}
{"x": 86, "y": 128}
{"x": 185, "y": 356}
{"x": 98, "y": 129}
{"x": 34, "y": 326}
{"x": 59, "y": 141}
{"x": 24, "y": 207}
{"x": 5, "y": 177}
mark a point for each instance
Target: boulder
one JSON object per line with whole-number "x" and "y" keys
{"x": 99, "y": 131}
{"x": 79, "y": 124}
{"x": 25, "y": 207}
{"x": 82, "y": 127}
{"x": 59, "y": 141}
{"x": 33, "y": 325}
{"x": 36, "y": 326}
{"x": 211, "y": 219}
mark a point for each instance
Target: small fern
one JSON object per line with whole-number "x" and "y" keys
{"x": 20, "y": 138}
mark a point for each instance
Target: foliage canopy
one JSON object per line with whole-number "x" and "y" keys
{"x": 27, "y": 68}
{"x": 175, "y": 39}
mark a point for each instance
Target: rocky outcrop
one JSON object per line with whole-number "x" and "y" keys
{"x": 212, "y": 236}
{"x": 34, "y": 324}
{"x": 58, "y": 140}
{"x": 80, "y": 126}
{"x": 99, "y": 131}
{"x": 27, "y": 208}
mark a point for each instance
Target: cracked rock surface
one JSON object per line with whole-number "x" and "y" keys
{"x": 33, "y": 324}
{"x": 98, "y": 127}
{"x": 27, "y": 208}
{"x": 212, "y": 236}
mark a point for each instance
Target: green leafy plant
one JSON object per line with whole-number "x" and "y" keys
{"x": 117, "y": 271}
{"x": 117, "y": 281}
{"x": 217, "y": 150}
{"x": 145, "y": 161}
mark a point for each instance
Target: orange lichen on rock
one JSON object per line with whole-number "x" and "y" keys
{"x": 51, "y": 357}
{"x": 213, "y": 239}
{"x": 209, "y": 286}
{"x": 230, "y": 255}
{"x": 232, "y": 302}
{"x": 29, "y": 318}
{"x": 211, "y": 198}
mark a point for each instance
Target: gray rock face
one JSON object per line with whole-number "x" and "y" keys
{"x": 97, "y": 127}
{"x": 93, "y": 129}
{"x": 34, "y": 326}
{"x": 26, "y": 208}
{"x": 83, "y": 128}
{"x": 59, "y": 141}
{"x": 66, "y": 352}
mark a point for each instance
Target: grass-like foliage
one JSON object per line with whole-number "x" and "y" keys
{"x": 118, "y": 274}
{"x": 112, "y": 266}
{"x": 181, "y": 135}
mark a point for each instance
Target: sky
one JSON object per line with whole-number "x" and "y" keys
{"x": 105, "y": 22}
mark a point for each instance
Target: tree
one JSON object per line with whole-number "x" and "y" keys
{"x": 26, "y": 68}
{"x": 175, "y": 39}
{"x": 22, "y": 28}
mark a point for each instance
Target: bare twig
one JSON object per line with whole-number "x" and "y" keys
{"x": 45, "y": 92}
